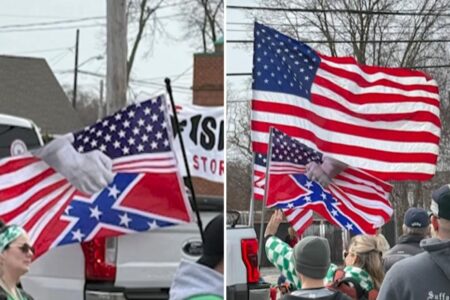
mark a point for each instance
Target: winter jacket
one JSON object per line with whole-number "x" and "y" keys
{"x": 280, "y": 255}
{"x": 196, "y": 281}
{"x": 407, "y": 246}
{"x": 423, "y": 276}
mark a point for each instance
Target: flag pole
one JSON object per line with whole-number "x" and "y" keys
{"x": 251, "y": 212}
{"x": 266, "y": 188}
{"x": 186, "y": 164}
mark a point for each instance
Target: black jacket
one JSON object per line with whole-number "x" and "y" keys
{"x": 408, "y": 245}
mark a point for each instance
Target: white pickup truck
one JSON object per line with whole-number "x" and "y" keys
{"x": 243, "y": 277}
{"x": 135, "y": 266}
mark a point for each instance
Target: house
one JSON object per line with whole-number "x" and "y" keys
{"x": 29, "y": 89}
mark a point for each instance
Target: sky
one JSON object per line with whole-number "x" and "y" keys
{"x": 239, "y": 56}
{"x": 56, "y": 43}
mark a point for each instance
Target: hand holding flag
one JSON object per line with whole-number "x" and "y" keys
{"x": 354, "y": 200}
{"x": 146, "y": 192}
{"x": 87, "y": 172}
{"x": 325, "y": 172}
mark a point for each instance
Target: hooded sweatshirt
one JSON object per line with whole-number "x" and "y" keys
{"x": 425, "y": 276}
{"x": 195, "y": 280}
{"x": 280, "y": 255}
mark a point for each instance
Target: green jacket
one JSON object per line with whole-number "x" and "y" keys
{"x": 280, "y": 255}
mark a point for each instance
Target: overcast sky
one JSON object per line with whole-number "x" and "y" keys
{"x": 56, "y": 42}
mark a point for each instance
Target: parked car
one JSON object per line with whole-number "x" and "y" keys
{"x": 17, "y": 135}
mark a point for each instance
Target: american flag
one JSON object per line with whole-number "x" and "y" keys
{"x": 146, "y": 193}
{"x": 382, "y": 120}
{"x": 354, "y": 200}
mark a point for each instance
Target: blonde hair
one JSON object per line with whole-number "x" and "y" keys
{"x": 368, "y": 255}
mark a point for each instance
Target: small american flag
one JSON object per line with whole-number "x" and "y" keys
{"x": 355, "y": 200}
{"x": 146, "y": 193}
{"x": 382, "y": 120}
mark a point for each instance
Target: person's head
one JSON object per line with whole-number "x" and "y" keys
{"x": 212, "y": 256}
{"x": 440, "y": 207}
{"x": 16, "y": 252}
{"x": 312, "y": 257}
{"x": 363, "y": 252}
{"x": 416, "y": 222}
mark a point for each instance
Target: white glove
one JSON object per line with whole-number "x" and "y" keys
{"x": 89, "y": 172}
{"x": 325, "y": 172}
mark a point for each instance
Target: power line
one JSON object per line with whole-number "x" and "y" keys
{"x": 135, "y": 81}
{"x": 359, "y": 41}
{"x": 311, "y": 25}
{"x": 52, "y": 22}
{"x": 45, "y": 50}
{"x": 415, "y": 67}
{"x": 52, "y": 28}
{"x": 350, "y": 11}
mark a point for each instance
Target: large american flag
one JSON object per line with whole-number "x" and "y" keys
{"x": 354, "y": 200}
{"x": 146, "y": 193}
{"x": 383, "y": 120}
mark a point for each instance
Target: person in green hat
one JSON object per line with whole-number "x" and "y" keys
{"x": 363, "y": 263}
{"x": 16, "y": 255}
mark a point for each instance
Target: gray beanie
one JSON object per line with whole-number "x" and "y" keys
{"x": 312, "y": 257}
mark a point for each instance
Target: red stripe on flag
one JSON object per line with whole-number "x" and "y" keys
{"x": 350, "y": 150}
{"x": 13, "y": 164}
{"x": 24, "y": 186}
{"x": 32, "y": 200}
{"x": 363, "y": 83}
{"x": 336, "y": 126}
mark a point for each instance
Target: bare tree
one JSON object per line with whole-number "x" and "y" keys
{"x": 139, "y": 13}
{"x": 204, "y": 18}
{"x": 356, "y": 28}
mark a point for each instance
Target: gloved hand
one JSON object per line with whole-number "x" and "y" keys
{"x": 325, "y": 172}
{"x": 89, "y": 172}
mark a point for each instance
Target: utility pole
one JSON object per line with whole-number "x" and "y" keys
{"x": 116, "y": 55}
{"x": 101, "y": 106}
{"x": 75, "y": 73}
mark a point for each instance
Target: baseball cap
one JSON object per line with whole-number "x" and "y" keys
{"x": 213, "y": 243}
{"x": 440, "y": 203}
{"x": 416, "y": 218}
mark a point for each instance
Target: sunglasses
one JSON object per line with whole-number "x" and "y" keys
{"x": 345, "y": 253}
{"x": 25, "y": 248}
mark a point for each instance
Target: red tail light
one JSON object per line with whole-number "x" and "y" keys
{"x": 97, "y": 267}
{"x": 250, "y": 257}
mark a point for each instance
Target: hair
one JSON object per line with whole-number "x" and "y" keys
{"x": 444, "y": 228}
{"x": 368, "y": 257}
{"x": 423, "y": 232}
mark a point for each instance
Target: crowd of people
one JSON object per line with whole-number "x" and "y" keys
{"x": 417, "y": 267}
